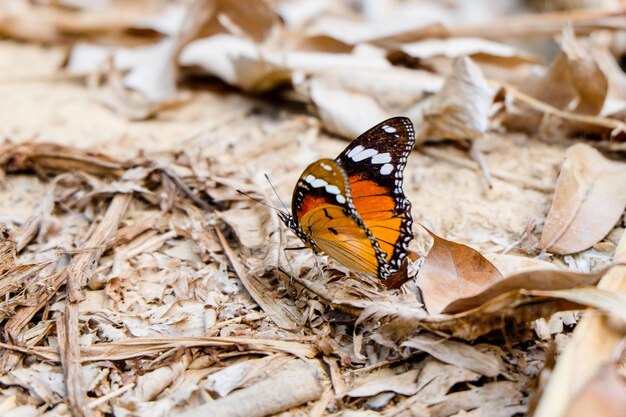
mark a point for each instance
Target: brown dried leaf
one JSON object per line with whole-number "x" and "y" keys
{"x": 575, "y": 82}
{"x": 589, "y": 199}
{"x": 253, "y": 18}
{"x": 611, "y": 302}
{"x": 151, "y": 384}
{"x": 36, "y": 22}
{"x": 546, "y": 279}
{"x": 460, "y": 110}
{"x": 49, "y": 157}
{"x": 574, "y": 75}
{"x": 452, "y": 271}
{"x": 604, "y": 395}
{"x": 504, "y": 311}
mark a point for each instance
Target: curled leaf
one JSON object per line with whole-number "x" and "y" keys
{"x": 452, "y": 271}
{"x": 460, "y": 110}
{"x": 545, "y": 279}
{"x": 589, "y": 199}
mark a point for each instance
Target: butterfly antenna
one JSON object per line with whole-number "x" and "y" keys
{"x": 259, "y": 201}
{"x": 276, "y": 192}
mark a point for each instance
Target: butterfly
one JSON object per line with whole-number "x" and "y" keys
{"x": 353, "y": 208}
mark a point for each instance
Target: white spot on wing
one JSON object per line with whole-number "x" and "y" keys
{"x": 318, "y": 183}
{"x": 381, "y": 158}
{"x": 355, "y": 151}
{"x": 332, "y": 189}
{"x": 326, "y": 167}
{"x": 389, "y": 129}
{"x": 364, "y": 154}
{"x": 309, "y": 178}
{"x": 386, "y": 169}
{"x": 340, "y": 199}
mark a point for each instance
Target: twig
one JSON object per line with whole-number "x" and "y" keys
{"x": 115, "y": 393}
{"x": 480, "y": 160}
{"x": 497, "y": 173}
{"x": 67, "y": 326}
{"x": 615, "y": 125}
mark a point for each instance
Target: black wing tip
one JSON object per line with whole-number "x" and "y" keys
{"x": 402, "y": 119}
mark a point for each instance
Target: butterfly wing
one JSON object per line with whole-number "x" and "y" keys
{"x": 325, "y": 218}
{"x": 374, "y": 164}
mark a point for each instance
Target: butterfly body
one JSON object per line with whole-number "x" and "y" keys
{"x": 353, "y": 208}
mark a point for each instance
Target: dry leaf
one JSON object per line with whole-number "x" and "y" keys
{"x": 243, "y": 374}
{"x": 387, "y": 381}
{"x": 589, "y": 199}
{"x": 252, "y": 226}
{"x": 476, "y": 48}
{"x": 350, "y": 101}
{"x": 50, "y": 157}
{"x": 460, "y": 110}
{"x": 458, "y": 354}
{"x": 38, "y": 22}
{"x": 610, "y": 302}
{"x": 292, "y": 385}
{"x": 236, "y": 60}
{"x": 149, "y": 69}
{"x": 604, "y": 395}
{"x": 533, "y": 279}
{"x": 503, "y": 399}
{"x": 574, "y": 82}
{"x": 452, "y": 271}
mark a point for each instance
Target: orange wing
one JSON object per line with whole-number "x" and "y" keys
{"x": 325, "y": 218}
{"x": 374, "y": 164}
{"x": 377, "y": 210}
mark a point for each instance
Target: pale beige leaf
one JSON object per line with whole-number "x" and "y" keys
{"x": 502, "y": 399}
{"x": 460, "y": 110}
{"x": 458, "y": 354}
{"x": 150, "y": 68}
{"x": 404, "y": 383}
{"x": 251, "y": 226}
{"x": 349, "y": 102}
{"x": 590, "y": 197}
{"x": 455, "y": 47}
{"x": 292, "y": 385}
{"x": 242, "y": 374}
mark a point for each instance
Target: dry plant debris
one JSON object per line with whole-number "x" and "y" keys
{"x": 135, "y": 278}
